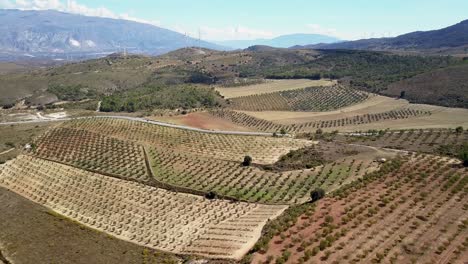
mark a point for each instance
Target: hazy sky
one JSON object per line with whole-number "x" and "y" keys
{"x": 248, "y": 19}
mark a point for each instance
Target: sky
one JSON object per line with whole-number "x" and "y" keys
{"x": 252, "y": 19}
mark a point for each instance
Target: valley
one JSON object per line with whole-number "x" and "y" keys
{"x": 261, "y": 155}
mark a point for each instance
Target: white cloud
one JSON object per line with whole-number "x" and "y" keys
{"x": 71, "y": 6}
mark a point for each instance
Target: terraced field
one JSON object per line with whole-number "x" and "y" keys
{"x": 263, "y": 150}
{"x": 252, "y": 183}
{"x": 412, "y": 212}
{"x": 94, "y": 152}
{"x": 430, "y": 141}
{"x": 308, "y": 99}
{"x": 264, "y": 125}
{"x": 152, "y": 217}
{"x": 271, "y": 86}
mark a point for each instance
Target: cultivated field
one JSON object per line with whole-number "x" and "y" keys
{"x": 335, "y": 124}
{"x": 307, "y": 99}
{"x": 201, "y": 120}
{"x": 94, "y": 152}
{"x": 152, "y": 217}
{"x": 413, "y": 211}
{"x": 263, "y": 150}
{"x": 431, "y": 141}
{"x": 255, "y": 184}
{"x": 377, "y": 112}
{"x": 32, "y": 233}
{"x": 271, "y": 86}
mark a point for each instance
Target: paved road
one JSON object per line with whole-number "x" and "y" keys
{"x": 138, "y": 119}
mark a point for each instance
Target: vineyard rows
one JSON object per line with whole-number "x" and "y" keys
{"x": 91, "y": 151}
{"x": 174, "y": 222}
{"x": 413, "y": 212}
{"x": 308, "y": 99}
{"x": 263, "y": 150}
{"x": 251, "y": 183}
{"x": 268, "y": 126}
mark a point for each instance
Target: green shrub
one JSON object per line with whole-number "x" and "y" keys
{"x": 317, "y": 194}
{"x": 247, "y": 161}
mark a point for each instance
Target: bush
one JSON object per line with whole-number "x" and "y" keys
{"x": 464, "y": 157}
{"x": 72, "y": 93}
{"x": 459, "y": 130}
{"x": 402, "y": 94}
{"x": 211, "y": 195}
{"x": 200, "y": 77}
{"x": 247, "y": 161}
{"x": 317, "y": 194}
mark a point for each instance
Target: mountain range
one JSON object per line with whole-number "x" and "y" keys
{"x": 49, "y": 34}
{"x": 56, "y": 34}
{"x": 449, "y": 38}
{"x": 284, "y": 41}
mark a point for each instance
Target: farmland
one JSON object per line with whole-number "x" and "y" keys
{"x": 255, "y": 184}
{"x": 307, "y": 99}
{"x": 344, "y": 174}
{"x": 263, "y": 150}
{"x": 138, "y": 213}
{"x": 376, "y": 112}
{"x": 263, "y": 125}
{"x": 270, "y": 86}
{"x": 47, "y": 237}
{"x": 95, "y": 152}
{"x": 413, "y": 211}
{"x": 436, "y": 141}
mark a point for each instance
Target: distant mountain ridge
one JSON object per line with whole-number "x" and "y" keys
{"x": 53, "y": 33}
{"x": 284, "y": 41}
{"x": 446, "y": 38}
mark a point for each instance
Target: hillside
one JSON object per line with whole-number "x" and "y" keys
{"x": 284, "y": 41}
{"x": 447, "y": 87}
{"x": 117, "y": 78}
{"x": 62, "y": 35}
{"x": 447, "y": 38}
